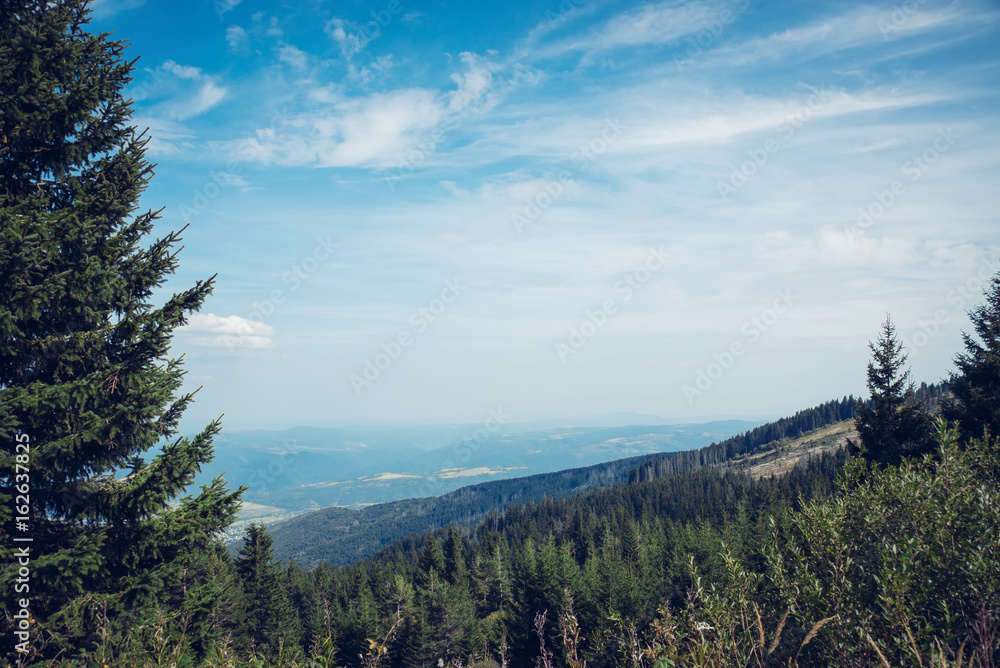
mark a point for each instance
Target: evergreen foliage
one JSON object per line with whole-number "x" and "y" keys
{"x": 976, "y": 385}
{"x": 894, "y": 423}
{"x": 85, "y": 375}
{"x": 342, "y": 536}
{"x": 267, "y": 621}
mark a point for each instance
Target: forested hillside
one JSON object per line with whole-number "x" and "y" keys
{"x": 342, "y": 536}
{"x": 703, "y": 567}
{"x": 624, "y": 549}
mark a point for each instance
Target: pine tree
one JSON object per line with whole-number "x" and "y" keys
{"x": 84, "y": 374}
{"x": 976, "y": 386}
{"x": 268, "y": 618}
{"x": 896, "y": 424}
{"x": 305, "y": 602}
{"x": 454, "y": 563}
{"x": 431, "y": 563}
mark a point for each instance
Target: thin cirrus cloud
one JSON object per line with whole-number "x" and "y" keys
{"x": 180, "y": 92}
{"x": 232, "y": 331}
{"x": 378, "y": 130}
{"x": 649, "y": 24}
{"x": 867, "y": 26}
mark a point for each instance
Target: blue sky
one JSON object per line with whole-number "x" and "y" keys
{"x": 421, "y": 212}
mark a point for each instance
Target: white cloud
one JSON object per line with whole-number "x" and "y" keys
{"x": 474, "y": 83}
{"x": 223, "y": 7}
{"x": 649, "y": 24}
{"x": 371, "y": 131}
{"x": 236, "y": 38}
{"x": 232, "y": 331}
{"x": 187, "y": 103}
{"x": 293, "y": 56}
{"x": 204, "y": 99}
{"x": 273, "y": 29}
{"x": 351, "y": 37}
{"x": 381, "y": 130}
{"x": 182, "y": 71}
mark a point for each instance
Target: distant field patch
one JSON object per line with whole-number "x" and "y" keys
{"x": 477, "y": 471}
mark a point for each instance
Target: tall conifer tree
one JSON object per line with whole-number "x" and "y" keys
{"x": 976, "y": 386}
{"x": 85, "y": 374}
{"x": 896, "y": 424}
{"x": 269, "y": 619}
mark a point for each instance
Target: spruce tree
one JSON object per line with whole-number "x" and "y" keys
{"x": 976, "y": 386}
{"x": 85, "y": 376}
{"x": 268, "y": 619}
{"x": 431, "y": 563}
{"x": 896, "y": 424}
{"x": 454, "y": 561}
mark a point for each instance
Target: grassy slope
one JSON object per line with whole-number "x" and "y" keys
{"x": 780, "y": 457}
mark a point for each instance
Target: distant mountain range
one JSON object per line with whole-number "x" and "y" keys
{"x": 342, "y": 535}
{"x": 296, "y": 470}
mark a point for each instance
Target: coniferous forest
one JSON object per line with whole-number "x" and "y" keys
{"x": 885, "y": 552}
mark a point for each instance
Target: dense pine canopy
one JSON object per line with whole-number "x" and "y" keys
{"x": 893, "y": 423}
{"x": 85, "y": 371}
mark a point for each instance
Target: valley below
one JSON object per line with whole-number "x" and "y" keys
{"x": 296, "y": 471}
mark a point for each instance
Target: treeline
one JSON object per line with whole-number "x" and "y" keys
{"x": 457, "y": 594}
{"x": 341, "y": 536}
{"x": 890, "y": 558}
{"x": 338, "y": 536}
{"x": 718, "y": 453}
{"x": 802, "y": 422}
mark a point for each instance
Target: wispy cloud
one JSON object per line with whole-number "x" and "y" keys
{"x": 293, "y": 56}
{"x": 207, "y": 96}
{"x": 877, "y": 146}
{"x": 236, "y": 38}
{"x": 231, "y": 331}
{"x": 854, "y": 28}
{"x": 167, "y": 137}
{"x": 190, "y": 92}
{"x": 223, "y": 7}
{"x": 368, "y": 131}
{"x": 379, "y": 130}
{"x": 649, "y": 24}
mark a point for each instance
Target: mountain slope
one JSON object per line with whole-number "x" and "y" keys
{"x": 305, "y": 469}
{"x": 341, "y": 536}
